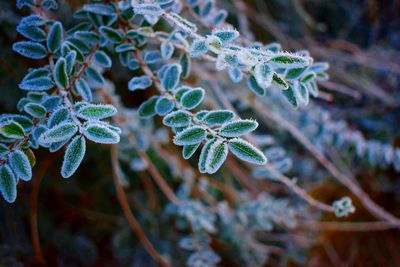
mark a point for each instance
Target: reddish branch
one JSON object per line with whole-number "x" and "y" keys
{"x": 123, "y": 201}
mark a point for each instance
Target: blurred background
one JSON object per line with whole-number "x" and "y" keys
{"x": 79, "y": 219}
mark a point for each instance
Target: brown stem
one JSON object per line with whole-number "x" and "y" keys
{"x": 347, "y": 226}
{"x": 158, "y": 178}
{"x": 37, "y": 178}
{"x": 123, "y": 201}
{"x": 242, "y": 177}
{"x": 153, "y": 198}
{"x": 374, "y": 208}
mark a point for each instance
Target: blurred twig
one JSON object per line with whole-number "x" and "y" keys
{"x": 129, "y": 215}
{"x": 350, "y": 183}
{"x": 346, "y": 226}
{"x": 37, "y": 178}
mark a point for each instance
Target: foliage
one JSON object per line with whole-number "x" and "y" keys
{"x": 168, "y": 47}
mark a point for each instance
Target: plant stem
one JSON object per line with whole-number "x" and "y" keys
{"x": 158, "y": 178}
{"x": 37, "y": 178}
{"x": 374, "y": 208}
{"x": 123, "y": 201}
{"x": 347, "y": 226}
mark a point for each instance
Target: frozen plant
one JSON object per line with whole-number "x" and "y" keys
{"x": 176, "y": 52}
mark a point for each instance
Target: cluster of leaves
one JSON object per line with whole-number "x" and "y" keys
{"x": 58, "y": 109}
{"x": 265, "y": 67}
{"x": 62, "y": 108}
{"x": 217, "y": 128}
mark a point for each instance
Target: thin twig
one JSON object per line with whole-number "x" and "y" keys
{"x": 374, "y": 208}
{"x": 346, "y": 226}
{"x": 37, "y": 178}
{"x": 158, "y": 178}
{"x": 129, "y": 215}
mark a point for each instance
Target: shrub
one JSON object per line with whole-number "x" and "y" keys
{"x": 207, "y": 83}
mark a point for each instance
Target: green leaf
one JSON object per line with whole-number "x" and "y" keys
{"x": 24, "y": 121}
{"x": 180, "y": 91}
{"x": 148, "y": 108}
{"x": 201, "y": 114}
{"x": 235, "y": 74}
{"x": 30, "y": 49}
{"x": 313, "y": 88}
{"x": 171, "y": 76}
{"x": 83, "y": 47}
{"x": 96, "y": 111}
{"x": 31, "y": 157}
{"x": 164, "y": 105}
{"x": 59, "y": 133}
{"x": 68, "y": 46}
{"x": 19, "y": 163}
{"x": 60, "y": 73}
{"x": 238, "y": 128}
{"x": 203, "y": 156}
{"x": 99, "y": 9}
{"x": 146, "y": 9}
{"x": 177, "y": 119}
{"x": 289, "y": 61}
{"x": 36, "y": 96}
{"x": 184, "y": 61}
{"x": 70, "y": 58}
{"x": 36, "y": 84}
{"x": 216, "y": 156}
{"x": 102, "y": 59}
{"x": 73, "y": 156}
{"x": 190, "y": 136}
{"x": 290, "y": 96}
{"x": 152, "y": 57}
{"x": 294, "y": 73}
{"x": 83, "y": 89}
{"x": 182, "y": 23}
{"x": 189, "y": 150}
{"x": 263, "y": 74}
{"x": 167, "y": 50}
{"x": 303, "y": 94}
{"x": 218, "y": 117}
{"x": 87, "y": 36}
{"x": 308, "y": 77}
{"x": 95, "y": 76}
{"x": 111, "y": 35}
{"x": 55, "y": 36}
{"x": 35, "y": 110}
{"x": 12, "y": 130}
{"x": 319, "y": 67}
{"x": 31, "y": 30}
{"x": 100, "y": 133}
{"x": 8, "y": 184}
{"x": 253, "y": 85}
{"x": 192, "y": 98}
{"x": 198, "y": 48}
{"x": 277, "y": 80}
{"x": 139, "y": 82}
{"x": 57, "y": 117}
{"x": 226, "y": 35}
{"x": 3, "y": 150}
{"x": 246, "y": 151}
